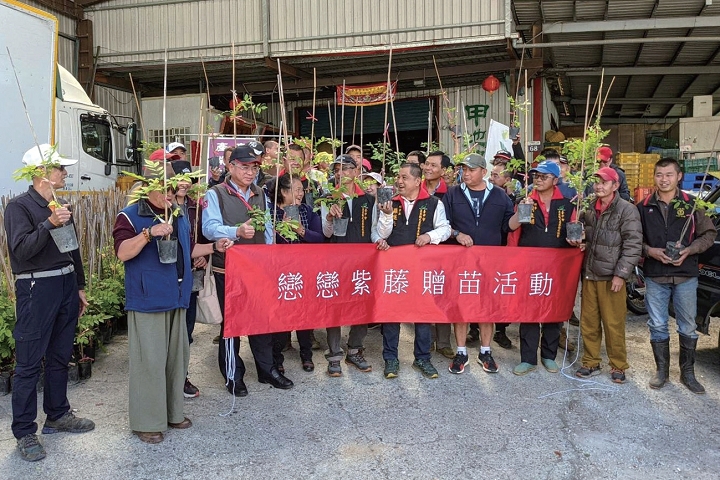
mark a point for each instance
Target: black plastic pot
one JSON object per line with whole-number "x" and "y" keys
{"x": 198, "y": 280}
{"x": 384, "y": 194}
{"x": 575, "y": 231}
{"x": 5, "y": 383}
{"x": 525, "y": 212}
{"x": 84, "y": 369}
{"x": 672, "y": 250}
{"x": 514, "y": 131}
{"x": 73, "y": 373}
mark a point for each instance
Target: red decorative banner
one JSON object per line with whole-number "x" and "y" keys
{"x": 366, "y": 95}
{"x": 276, "y": 288}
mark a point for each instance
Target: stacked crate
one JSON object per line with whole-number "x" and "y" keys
{"x": 639, "y": 168}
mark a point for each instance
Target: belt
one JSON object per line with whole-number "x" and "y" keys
{"x": 47, "y": 273}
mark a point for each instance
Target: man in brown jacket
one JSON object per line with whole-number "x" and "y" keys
{"x": 614, "y": 244}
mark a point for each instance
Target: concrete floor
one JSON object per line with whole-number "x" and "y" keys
{"x": 474, "y": 425}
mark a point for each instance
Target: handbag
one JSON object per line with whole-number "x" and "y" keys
{"x": 208, "y": 306}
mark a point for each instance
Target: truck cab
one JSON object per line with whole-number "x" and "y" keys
{"x": 85, "y": 131}
{"x": 708, "y": 294}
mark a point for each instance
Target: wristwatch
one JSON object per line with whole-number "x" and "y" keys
{"x": 215, "y": 249}
{"x": 455, "y": 233}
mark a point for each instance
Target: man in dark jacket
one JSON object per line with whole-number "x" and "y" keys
{"x": 605, "y": 155}
{"x": 614, "y": 243}
{"x": 666, "y": 217}
{"x": 548, "y": 228}
{"x": 50, "y": 288}
{"x": 478, "y": 214}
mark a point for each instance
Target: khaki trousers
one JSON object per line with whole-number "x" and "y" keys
{"x": 159, "y": 355}
{"x": 603, "y": 311}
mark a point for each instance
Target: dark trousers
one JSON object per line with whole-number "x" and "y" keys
{"x": 530, "y": 338}
{"x": 391, "y": 339}
{"x": 283, "y": 338}
{"x": 260, "y": 345}
{"x": 47, "y": 313}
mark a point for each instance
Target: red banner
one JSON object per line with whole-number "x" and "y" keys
{"x": 275, "y": 288}
{"x": 366, "y": 95}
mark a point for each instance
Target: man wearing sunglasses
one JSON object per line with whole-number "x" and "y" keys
{"x": 551, "y": 212}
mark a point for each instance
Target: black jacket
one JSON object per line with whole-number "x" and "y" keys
{"x": 30, "y": 244}
{"x": 488, "y": 229}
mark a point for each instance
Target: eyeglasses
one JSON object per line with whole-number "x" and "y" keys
{"x": 247, "y": 168}
{"x": 348, "y": 167}
{"x": 541, "y": 176}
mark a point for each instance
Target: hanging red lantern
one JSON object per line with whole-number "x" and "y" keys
{"x": 491, "y": 84}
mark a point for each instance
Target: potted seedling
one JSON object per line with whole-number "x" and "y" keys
{"x": 64, "y": 236}
{"x": 157, "y": 181}
{"x": 393, "y": 160}
{"x": 581, "y": 155}
{"x": 336, "y": 196}
{"x": 516, "y": 108}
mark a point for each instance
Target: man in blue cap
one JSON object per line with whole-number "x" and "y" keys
{"x": 547, "y": 228}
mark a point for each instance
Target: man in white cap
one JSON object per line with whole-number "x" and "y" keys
{"x": 50, "y": 287}
{"x": 177, "y": 148}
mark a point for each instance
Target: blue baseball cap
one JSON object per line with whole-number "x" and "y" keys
{"x": 547, "y": 167}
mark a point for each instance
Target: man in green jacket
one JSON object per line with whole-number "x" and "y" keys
{"x": 613, "y": 233}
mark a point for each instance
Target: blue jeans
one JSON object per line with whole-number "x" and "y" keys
{"x": 391, "y": 339}
{"x": 684, "y": 297}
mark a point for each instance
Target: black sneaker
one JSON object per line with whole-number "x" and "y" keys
{"x": 30, "y": 448}
{"x": 426, "y": 368}
{"x": 358, "y": 360}
{"x": 488, "y": 362}
{"x": 334, "y": 369}
{"x": 502, "y": 340}
{"x": 68, "y": 423}
{"x": 587, "y": 372}
{"x": 459, "y": 362}
{"x": 190, "y": 390}
{"x": 392, "y": 367}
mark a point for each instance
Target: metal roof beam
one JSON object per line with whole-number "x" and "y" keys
{"x": 636, "y": 101}
{"x": 615, "y": 41}
{"x": 630, "y": 24}
{"x": 288, "y": 84}
{"x": 626, "y": 71}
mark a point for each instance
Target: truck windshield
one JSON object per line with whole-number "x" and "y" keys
{"x": 96, "y": 137}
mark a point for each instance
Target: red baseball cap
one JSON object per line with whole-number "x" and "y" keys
{"x": 160, "y": 154}
{"x": 607, "y": 173}
{"x": 366, "y": 164}
{"x": 605, "y": 154}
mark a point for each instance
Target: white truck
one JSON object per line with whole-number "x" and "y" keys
{"x": 60, "y": 111}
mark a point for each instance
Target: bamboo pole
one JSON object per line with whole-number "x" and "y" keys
{"x": 387, "y": 99}
{"x": 164, "y": 112}
{"x": 354, "y": 123}
{"x": 234, "y": 95}
{"x": 342, "y": 121}
{"x": 527, "y": 148}
{"x": 362, "y": 119}
{"x": 312, "y": 120}
{"x": 137, "y": 104}
{"x": 429, "y": 129}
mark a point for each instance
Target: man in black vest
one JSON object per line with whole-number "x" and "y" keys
{"x": 551, "y": 212}
{"x": 478, "y": 214}
{"x": 412, "y": 217}
{"x": 663, "y": 215}
{"x": 361, "y": 213}
{"x": 226, "y": 216}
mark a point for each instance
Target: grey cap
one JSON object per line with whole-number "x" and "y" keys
{"x": 474, "y": 160}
